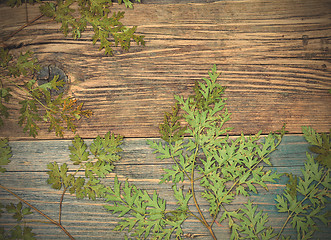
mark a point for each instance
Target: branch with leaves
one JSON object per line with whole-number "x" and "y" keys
{"x": 76, "y": 15}
{"x": 20, "y": 231}
{"x": 306, "y": 199}
{"x": 96, "y": 161}
{"x": 224, "y": 167}
{"x": 39, "y": 105}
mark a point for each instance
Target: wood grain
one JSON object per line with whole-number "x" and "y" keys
{"x": 274, "y": 57}
{"x": 86, "y": 219}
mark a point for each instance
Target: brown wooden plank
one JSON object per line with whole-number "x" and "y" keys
{"x": 86, "y": 219}
{"x": 274, "y": 57}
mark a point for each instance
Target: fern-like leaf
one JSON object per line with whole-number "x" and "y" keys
{"x": 321, "y": 145}
{"x": 223, "y": 168}
{"x": 141, "y": 214}
{"x": 96, "y": 164}
{"x": 20, "y": 230}
{"x": 106, "y": 26}
{"x": 305, "y": 198}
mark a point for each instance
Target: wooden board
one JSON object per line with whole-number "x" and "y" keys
{"x": 274, "y": 57}
{"x": 86, "y": 219}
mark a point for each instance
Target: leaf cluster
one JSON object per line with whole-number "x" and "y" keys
{"x": 305, "y": 199}
{"x": 39, "y": 105}
{"x": 106, "y": 26}
{"x": 95, "y": 161}
{"x": 24, "y": 65}
{"x": 321, "y": 145}
{"x": 224, "y": 168}
{"x": 58, "y": 110}
{"x": 252, "y": 224}
{"x": 19, "y": 231}
{"x": 143, "y": 214}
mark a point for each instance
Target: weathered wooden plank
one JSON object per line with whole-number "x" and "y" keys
{"x": 86, "y": 219}
{"x": 274, "y": 57}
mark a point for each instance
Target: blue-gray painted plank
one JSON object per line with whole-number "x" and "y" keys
{"x": 86, "y": 219}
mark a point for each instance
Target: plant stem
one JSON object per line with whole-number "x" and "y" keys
{"x": 202, "y": 220}
{"x": 27, "y": 92}
{"x": 22, "y": 27}
{"x": 38, "y": 211}
{"x": 60, "y": 208}
{"x": 64, "y": 191}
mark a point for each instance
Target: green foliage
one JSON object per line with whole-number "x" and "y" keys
{"x": 170, "y": 128}
{"x": 321, "y": 145}
{"x": 24, "y": 65}
{"x": 305, "y": 198}
{"x": 251, "y": 224}
{"x": 96, "y": 164}
{"x": 19, "y": 231}
{"x": 59, "y": 110}
{"x": 144, "y": 214}
{"x": 39, "y": 104}
{"x": 106, "y": 26}
{"x": 224, "y": 167}
{"x": 5, "y": 153}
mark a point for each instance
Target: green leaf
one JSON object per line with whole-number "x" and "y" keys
{"x": 29, "y": 117}
{"x": 107, "y": 148}
{"x": 107, "y": 28}
{"x": 58, "y": 177}
{"x": 311, "y": 136}
{"x": 304, "y": 198}
{"x": 224, "y": 168}
{"x": 38, "y": 104}
{"x": 252, "y": 224}
{"x": 100, "y": 168}
{"x": 78, "y": 151}
{"x": 164, "y": 150}
{"x": 182, "y": 200}
{"x": 170, "y": 129}
{"x": 18, "y": 210}
{"x": 104, "y": 150}
{"x": 28, "y": 234}
{"x": 141, "y": 213}
{"x": 321, "y": 145}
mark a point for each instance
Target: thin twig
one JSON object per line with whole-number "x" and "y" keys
{"x": 203, "y": 220}
{"x": 61, "y": 201}
{"x": 38, "y": 211}
{"x": 22, "y": 27}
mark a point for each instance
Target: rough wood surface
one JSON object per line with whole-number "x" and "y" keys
{"x": 86, "y": 219}
{"x": 274, "y": 57}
